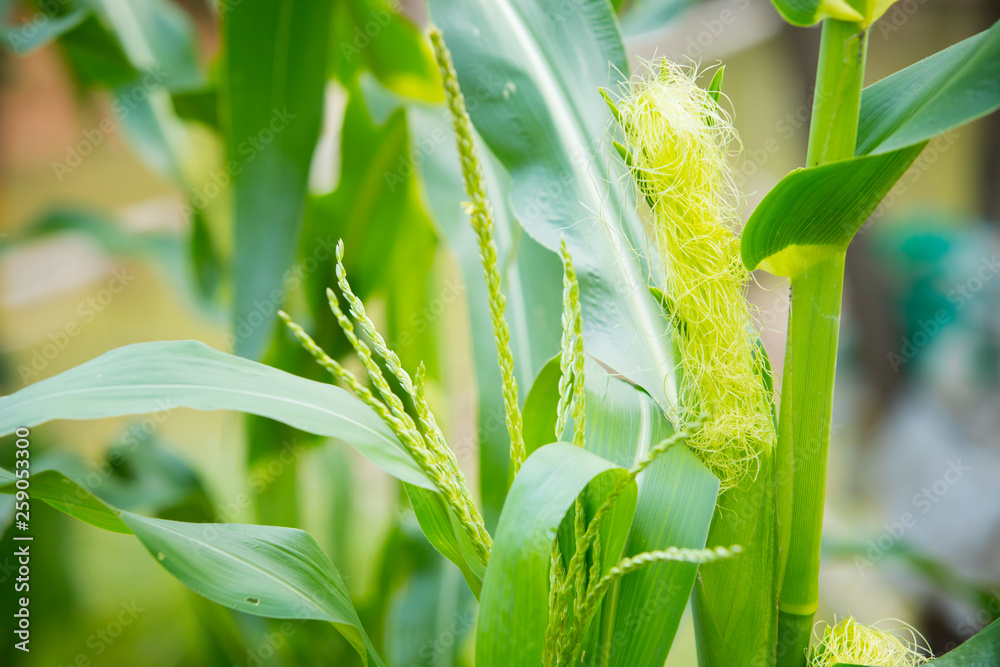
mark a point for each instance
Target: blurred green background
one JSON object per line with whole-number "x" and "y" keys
{"x": 99, "y": 247}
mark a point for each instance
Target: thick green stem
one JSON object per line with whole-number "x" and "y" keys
{"x": 840, "y": 77}
{"x": 813, "y": 329}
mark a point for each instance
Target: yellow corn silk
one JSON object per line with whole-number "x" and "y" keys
{"x": 850, "y": 642}
{"x": 680, "y": 138}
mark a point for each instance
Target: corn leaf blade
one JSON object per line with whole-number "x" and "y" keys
{"x": 268, "y": 571}
{"x": 938, "y": 94}
{"x": 540, "y": 407}
{"x": 439, "y": 525}
{"x": 513, "y": 608}
{"x": 736, "y": 602}
{"x": 65, "y": 495}
{"x": 676, "y": 500}
{"x": 274, "y": 78}
{"x": 152, "y": 377}
{"x": 815, "y": 212}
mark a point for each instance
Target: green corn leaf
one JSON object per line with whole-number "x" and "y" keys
{"x": 377, "y": 212}
{"x": 396, "y": 53}
{"x": 440, "y": 526}
{"x": 110, "y": 42}
{"x": 534, "y": 70}
{"x": 715, "y": 85}
{"x": 153, "y": 377}
{"x": 513, "y": 609}
{"x": 541, "y": 404}
{"x": 262, "y": 570}
{"x": 157, "y": 36}
{"x": 815, "y": 212}
{"x": 934, "y": 96}
{"x": 272, "y": 105}
{"x": 62, "y": 493}
{"x": 676, "y": 500}
{"x": 94, "y": 55}
{"x": 736, "y": 602}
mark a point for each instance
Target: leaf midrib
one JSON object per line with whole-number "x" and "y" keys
{"x": 556, "y": 102}
{"x": 273, "y": 397}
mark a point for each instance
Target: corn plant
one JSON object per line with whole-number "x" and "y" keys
{"x": 647, "y": 462}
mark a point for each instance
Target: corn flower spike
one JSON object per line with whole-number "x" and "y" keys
{"x": 426, "y": 445}
{"x": 585, "y": 539}
{"x": 407, "y": 435}
{"x": 571, "y": 358}
{"x": 588, "y": 606}
{"x": 558, "y": 613}
{"x": 678, "y": 140}
{"x": 565, "y": 360}
{"x": 341, "y": 374}
{"x": 429, "y": 424}
{"x": 433, "y": 435}
{"x": 448, "y": 477}
{"x": 850, "y": 642}
{"x": 357, "y": 309}
{"x": 571, "y": 400}
{"x": 559, "y": 600}
{"x": 481, "y": 214}
{"x": 579, "y": 394}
